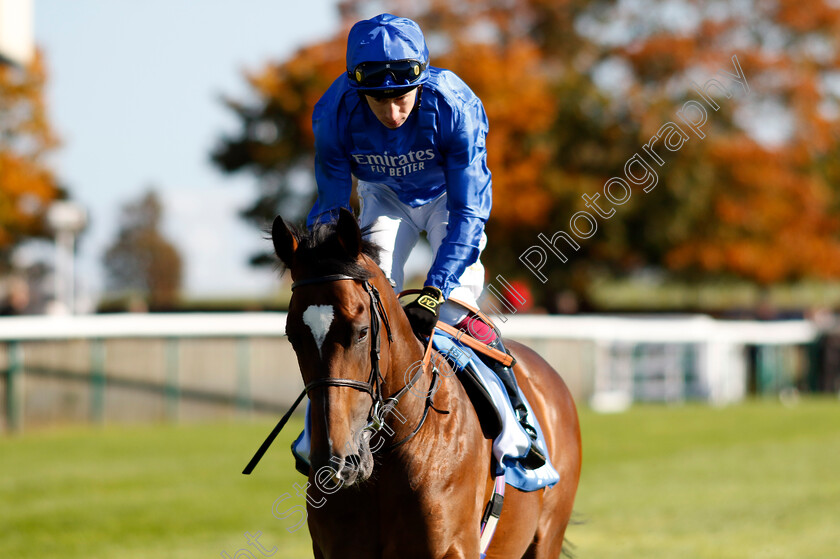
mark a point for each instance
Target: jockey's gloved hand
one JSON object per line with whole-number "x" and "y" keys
{"x": 423, "y": 312}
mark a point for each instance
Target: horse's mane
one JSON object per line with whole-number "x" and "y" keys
{"x": 320, "y": 252}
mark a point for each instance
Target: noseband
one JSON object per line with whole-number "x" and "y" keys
{"x": 373, "y": 387}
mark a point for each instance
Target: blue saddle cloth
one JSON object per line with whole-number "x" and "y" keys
{"x": 512, "y": 443}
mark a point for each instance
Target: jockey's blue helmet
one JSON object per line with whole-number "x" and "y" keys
{"x": 387, "y": 56}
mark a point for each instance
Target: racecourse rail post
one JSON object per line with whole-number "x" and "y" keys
{"x": 14, "y": 386}
{"x": 97, "y": 380}
{"x": 243, "y": 374}
{"x": 171, "y": 390}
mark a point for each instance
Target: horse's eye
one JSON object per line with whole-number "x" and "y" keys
{"x": 362, "y": 334}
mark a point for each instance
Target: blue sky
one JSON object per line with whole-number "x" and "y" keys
{"x": 134, "y": 93}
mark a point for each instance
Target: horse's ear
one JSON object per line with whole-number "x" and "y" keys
{"x": 285, "y": 242}
{"x": 349, "y": 234}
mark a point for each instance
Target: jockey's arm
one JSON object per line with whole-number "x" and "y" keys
{"x": 469, "y": 197}
{"x": 332, "y": 170}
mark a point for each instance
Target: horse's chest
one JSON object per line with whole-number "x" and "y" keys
{"x": 422, "y": 517}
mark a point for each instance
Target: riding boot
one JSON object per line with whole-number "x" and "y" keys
{"x": 535, "y": 458}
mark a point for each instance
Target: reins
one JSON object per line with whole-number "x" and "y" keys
{"x": 373, "y": 387}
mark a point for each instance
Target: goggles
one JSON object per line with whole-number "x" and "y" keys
{"x": 373, "y": 74}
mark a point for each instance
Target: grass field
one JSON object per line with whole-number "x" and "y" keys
{"x": 757, "y": 480}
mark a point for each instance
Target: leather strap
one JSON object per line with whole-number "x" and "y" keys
{"x": 346, "y": 382}
{"x": 271, "y": 436}
{"x": 500, "y": 356}
{"x": 492, "y": 512}
{"x": 322, "y": 279}
{"x": 472, "y": 309}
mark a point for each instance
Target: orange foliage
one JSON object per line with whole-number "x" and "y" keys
{"x": 809, "y": 16}
{"x": 517, "y": 98}
{"x": 726, "y": 205}
{"x": 773, "y": 219}
{"x": 27, "y": 187}
{"x": 771, "y": 209}
{"x": 661, "y": 55}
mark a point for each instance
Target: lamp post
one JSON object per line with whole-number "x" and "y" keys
{"x": 67, "y": 219}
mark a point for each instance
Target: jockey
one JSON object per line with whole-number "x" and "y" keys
{"x": 414, "y": 137}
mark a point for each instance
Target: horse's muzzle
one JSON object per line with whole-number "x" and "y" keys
{"x": 353, "y": 468}
{"x": 347, "y": 468}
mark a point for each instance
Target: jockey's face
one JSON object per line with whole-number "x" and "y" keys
{"x": 393, "y": 111}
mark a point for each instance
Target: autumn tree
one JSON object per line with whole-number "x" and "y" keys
{"x": 27, "y": 185}
{"x": 573, "y": 90}
{"x": 141, "y": 259}
{"x": 729, "y": 204}
{"x": 754, "y": 198}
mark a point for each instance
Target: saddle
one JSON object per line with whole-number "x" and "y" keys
{"x": 488, "y": 415}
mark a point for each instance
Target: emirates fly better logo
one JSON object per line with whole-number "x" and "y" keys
{"x": 396, "y": 165}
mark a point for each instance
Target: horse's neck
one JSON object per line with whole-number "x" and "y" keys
{"x": 405, "y": 350}
{"x": 405, "y": 357}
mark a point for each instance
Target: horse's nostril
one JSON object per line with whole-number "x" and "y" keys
{"x": 352, "y": 462}
{"x": 351, "y": 466}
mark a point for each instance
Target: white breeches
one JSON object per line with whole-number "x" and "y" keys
{"x": 395, "y": 227}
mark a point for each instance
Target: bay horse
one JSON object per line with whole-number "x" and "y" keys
{"x": 423, "y": 497}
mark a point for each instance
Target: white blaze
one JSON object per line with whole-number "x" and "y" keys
{"x": 319, "y": 319}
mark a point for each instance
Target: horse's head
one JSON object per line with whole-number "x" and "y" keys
{"x": 336, "y": 325}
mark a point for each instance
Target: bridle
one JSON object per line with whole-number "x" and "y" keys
{"x": 380, "y": 405}
{"x": 373, "y": 386}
